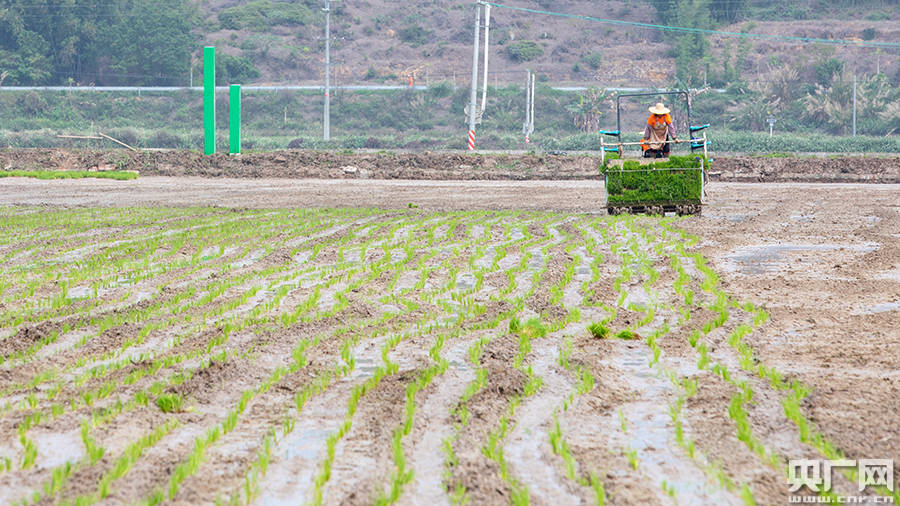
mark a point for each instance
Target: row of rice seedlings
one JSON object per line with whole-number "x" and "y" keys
{"x": 134, "y": 252}
{"x": 155, "y": 366}
{"x": 103, "y": 416}
{"x": 687, "y": 386}
{"x": 218, "y": 288}
{"x": 359, "y": 391}
{"x": 458, "y": 493}
{"x": 190, "y": 466}
{"x": 62, "y": 230}
{"x": 401, "y": 475}
{"x": 258, "y": 468}
{"x": 199, "y": 235}
{"x": 493, "y": 449}
{"x": 585, "y": 384}
{"x": 749, "y": 363}
{"x": 526, "y": 243}
{"x": 123, "y": 464}
{"x": 102, "y": 328}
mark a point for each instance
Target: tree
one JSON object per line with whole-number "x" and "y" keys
{"x": 234, "y": 70}
{"x": 124, "y": 42}
{"x": 831, "y": 106}
{"x": 587, "y": 110}
{"x": 691, "y": 47}
{"x": 153, "y": 44}
{"x": 727, "y": 11}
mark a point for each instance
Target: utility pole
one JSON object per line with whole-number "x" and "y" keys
{"x": 528, "y": 126}
{"x": 487, "y": 28}
{"x": 473, "y": 100}
{"x": 854, "y": 105}
{"x": 327, "y": 121}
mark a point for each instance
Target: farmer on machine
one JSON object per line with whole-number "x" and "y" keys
{"x": 659, "y": 130}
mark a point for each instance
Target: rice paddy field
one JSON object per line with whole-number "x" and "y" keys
{"x": 212, "y": 355}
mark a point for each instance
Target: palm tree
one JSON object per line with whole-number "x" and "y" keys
{"x": 586, "y": 111}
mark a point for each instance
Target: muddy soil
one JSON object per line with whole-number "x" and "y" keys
{"x": 436, "y": 165}
{"x": 823, "y": 260}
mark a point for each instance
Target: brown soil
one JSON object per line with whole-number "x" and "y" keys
{"x": 822, "y": 260}
{"x": 295, "y": 164}
{"x": 27, "y": 337}
{"x": 832, "y": 169}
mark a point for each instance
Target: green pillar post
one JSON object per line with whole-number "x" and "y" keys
{"x": 209, "y": 100}
{"x": 234, "y": 121}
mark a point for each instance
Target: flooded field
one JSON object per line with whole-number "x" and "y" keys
{"x": 356, "y": 356}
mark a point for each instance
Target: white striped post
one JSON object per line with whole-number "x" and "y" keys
{"x": 471, "y": 140}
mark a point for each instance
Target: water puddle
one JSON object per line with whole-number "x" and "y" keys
{"x": 328, "y": 299}
{"x": 55, "y": 449}
{"x": 302, "y": 257}
{"x": 307, "y": 444}
{"x": 883, "y": 307}
{"x": 365, "y": 368}
{"x": 638, "y": 297}
{"x": 406, "y": 281}
{"x": 509, "y": 261}
{"x": 892, "y": 275}
{"x": 466, "y": 282}
{"x": 766, "y": 258}
{"x": 250, "y": 259}
{"x": 487, "y": 258}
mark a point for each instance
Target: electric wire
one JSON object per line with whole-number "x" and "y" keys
{"x": 683, "y": 29}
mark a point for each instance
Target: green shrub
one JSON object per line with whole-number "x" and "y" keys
{"x": 261, "y": 15}
{"x": 524, "y": 51}
{"x": 415, "y": 35}
{"x": 593, "y": 60}
{"x": 232, "y": 69}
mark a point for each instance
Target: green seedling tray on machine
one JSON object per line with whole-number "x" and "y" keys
{"x": 672, "y": 186}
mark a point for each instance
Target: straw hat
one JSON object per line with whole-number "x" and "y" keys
{"x": 660, "y": 109}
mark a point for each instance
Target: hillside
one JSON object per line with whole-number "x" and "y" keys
{"x": 383, "y": 41}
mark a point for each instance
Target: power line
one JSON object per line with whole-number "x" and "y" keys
{"x": 789, "y": 38}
